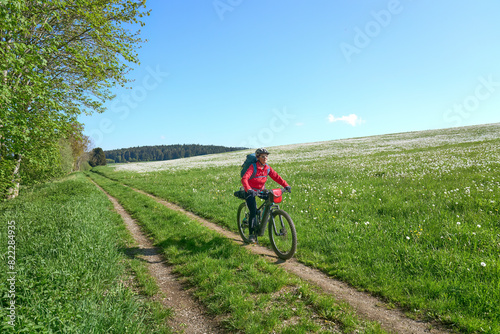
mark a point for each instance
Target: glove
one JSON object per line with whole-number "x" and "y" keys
{"x": 288, "y": 189}
{"x": 252, "y": 193}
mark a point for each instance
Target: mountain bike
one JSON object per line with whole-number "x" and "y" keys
{"x": 281, "y": 229}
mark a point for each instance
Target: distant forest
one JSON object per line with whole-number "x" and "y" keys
{"x": 164, "y": 152}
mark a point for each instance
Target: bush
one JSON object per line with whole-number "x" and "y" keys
{"x": 97, "y": 157}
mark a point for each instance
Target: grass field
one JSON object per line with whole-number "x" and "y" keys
{"x": 246, "y": 293}
{"x": 67, "y": 271}
{"x": 412, "y": 218}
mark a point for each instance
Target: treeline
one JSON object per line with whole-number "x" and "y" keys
{"x": 59, "y": 59}
{"x": 164, "y": 152}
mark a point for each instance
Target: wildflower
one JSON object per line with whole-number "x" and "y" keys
{"x": 478, "y": 225}
{"x": 407, "y": 238}
{"x": 367, "y": 223}
{"x": 483, "y": 264}
{"x": 458, "y": 223}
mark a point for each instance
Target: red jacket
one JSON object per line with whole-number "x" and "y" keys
{"x": 259, "y": 180}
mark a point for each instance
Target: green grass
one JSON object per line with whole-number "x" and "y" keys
{"x": 70, "y": 266}
{"x": 413, "y": 220}
{"x": 245, "y": 292}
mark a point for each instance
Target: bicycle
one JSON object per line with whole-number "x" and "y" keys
{"x": 281, "y": 229}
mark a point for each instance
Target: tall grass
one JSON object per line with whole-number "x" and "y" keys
{"x": 69, "y": 264}
{"x": 413, "y": 220}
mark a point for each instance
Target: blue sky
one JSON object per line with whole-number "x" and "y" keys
{"x": 265, "y": 73}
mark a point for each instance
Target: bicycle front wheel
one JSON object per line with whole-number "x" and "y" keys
{"x": 242, "y": 219}
{"x": 282, "y": 234}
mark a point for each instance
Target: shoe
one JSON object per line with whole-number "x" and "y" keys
{"x": 252, "y": 239}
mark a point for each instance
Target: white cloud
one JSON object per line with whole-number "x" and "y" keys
{"x": 352, "y": 119}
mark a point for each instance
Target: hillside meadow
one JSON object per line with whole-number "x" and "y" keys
{"x": 412, "y": 218}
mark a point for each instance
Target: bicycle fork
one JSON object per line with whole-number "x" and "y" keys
{"x": 283, "y": 230}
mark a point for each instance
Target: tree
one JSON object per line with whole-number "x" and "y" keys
{"x": 97, "y": 157}
{"x": 59, "y": 59}
{"x": 80, "y": 144}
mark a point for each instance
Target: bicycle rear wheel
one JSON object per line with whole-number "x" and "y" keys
{"x": 282, "y": 234}
{"x": 242, "y": 219}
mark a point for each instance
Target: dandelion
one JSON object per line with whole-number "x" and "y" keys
{"x": 483, "y": 264}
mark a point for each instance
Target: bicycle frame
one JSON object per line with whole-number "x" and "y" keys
{"x": 263, "y": 216}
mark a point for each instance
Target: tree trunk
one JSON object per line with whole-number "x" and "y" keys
{"x": 14, "y": 191}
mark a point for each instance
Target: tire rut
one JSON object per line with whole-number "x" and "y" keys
{"x": 189, "y": 316}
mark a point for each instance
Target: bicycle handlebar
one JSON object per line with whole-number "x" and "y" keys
{"x": 264, "y": 193}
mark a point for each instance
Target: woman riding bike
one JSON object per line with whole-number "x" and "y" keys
{"x": 254, "y": 180}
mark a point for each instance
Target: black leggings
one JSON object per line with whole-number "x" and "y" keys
{"x": 252, "y": 207}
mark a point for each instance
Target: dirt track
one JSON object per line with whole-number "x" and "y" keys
{"x": 190, "y": 316}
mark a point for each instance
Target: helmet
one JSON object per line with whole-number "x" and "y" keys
{"x": 260, "y": 151}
